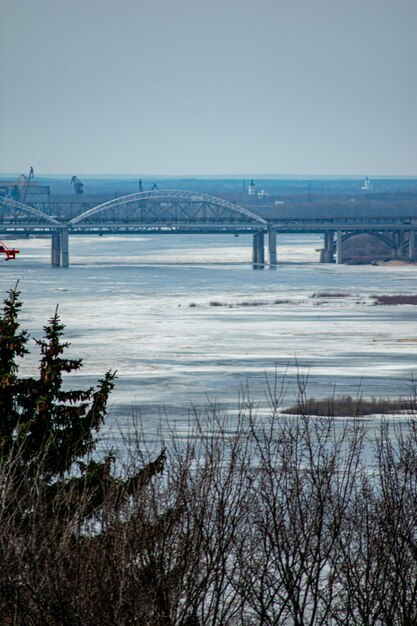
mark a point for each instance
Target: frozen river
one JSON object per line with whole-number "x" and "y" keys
{"x": 185, "y": 318}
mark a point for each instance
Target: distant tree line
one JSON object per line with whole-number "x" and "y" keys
{"x": 251, "y": 520}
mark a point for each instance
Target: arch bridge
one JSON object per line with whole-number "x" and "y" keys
{"x": 177, "y": 211}
{"x": 158, "y": 211}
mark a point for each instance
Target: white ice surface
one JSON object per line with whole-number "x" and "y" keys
{"x": 144, "y": 306}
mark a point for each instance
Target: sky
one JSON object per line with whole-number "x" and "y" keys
{"x": 214, "y": 87}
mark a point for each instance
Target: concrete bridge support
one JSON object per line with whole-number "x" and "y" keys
{"x": 56, "y": 249}
{"x": 339, "y": 250}
{"x": 398, "y": 238}
{"x": 398, "y": 244}
{"x": 258, "y": 252}
{"x": 411, "y": 245}
{"x": 327, "y": 254}
{"x": 272, "y": 248}
{"x": 64, "y": 248}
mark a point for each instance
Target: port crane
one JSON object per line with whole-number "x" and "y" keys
{"x": 17, "y": 189}
{"x": 77, "y": 184}
{"x": 27, "y": 183}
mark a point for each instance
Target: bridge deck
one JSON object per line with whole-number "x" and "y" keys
{"x": 173, "y": 211}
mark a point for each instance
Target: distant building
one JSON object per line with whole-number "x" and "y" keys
{"x": 251, "y": 189}
{"x": 367, "y": 185}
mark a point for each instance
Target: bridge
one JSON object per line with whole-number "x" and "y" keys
{"x": 173, "y": 211}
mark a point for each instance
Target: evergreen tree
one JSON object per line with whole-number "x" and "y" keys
{"x": 12, "y": 345}
{"x": 46, "y": 431}
{"x": 39, "y": 420}
{"x": 59, "y": 424}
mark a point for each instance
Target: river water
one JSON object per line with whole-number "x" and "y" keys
{"x": 185, "y": 320}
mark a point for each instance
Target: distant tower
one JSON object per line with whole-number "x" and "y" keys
{"x": 251, "y": 189}
{"x": 367, "y": 185}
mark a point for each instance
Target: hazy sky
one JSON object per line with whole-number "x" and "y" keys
{"x": 209, "y": 87}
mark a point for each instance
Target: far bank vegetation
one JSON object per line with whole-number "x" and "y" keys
{"x": 363, "y": 249}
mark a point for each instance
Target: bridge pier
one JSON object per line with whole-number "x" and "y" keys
{"x": 272, "y": 248}
{"x": 258, "y": 252}
{"x": 411, "y": 245}
{"x": 397, "y": 238}
{"x": 327, "y": 254}
{"x": 398, "y": 243}
{"x": 339, "y": 250}
{"x": 64, "y": 247}
{"x": 56, "y": 249}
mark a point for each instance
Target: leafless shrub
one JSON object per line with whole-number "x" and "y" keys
{"x": 330, "y": 294}
{"x": 347, "y": 406}
{"x": 377, "y": 548}
{"x": 247, "y": 303}
{"x": 255, "y": 520}
{"x": 395, "y": 299}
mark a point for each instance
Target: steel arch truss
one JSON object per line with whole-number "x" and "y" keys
{"x": 16, "y": 214}
{"x": 167, "y": 209}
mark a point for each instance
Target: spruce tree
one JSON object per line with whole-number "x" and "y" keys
{"x": 39, "y": 419}
{"x": 56, "y": 423}
{"x": 48, "y": 432}
{"x": 12, "y": 345}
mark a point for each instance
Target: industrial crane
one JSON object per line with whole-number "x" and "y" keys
{"x": 77, "y": 184}
{"x": 27, "y": 183}
{"x": 19, "y": 188}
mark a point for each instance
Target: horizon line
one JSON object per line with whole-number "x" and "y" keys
{"x": 264, "y": 176}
